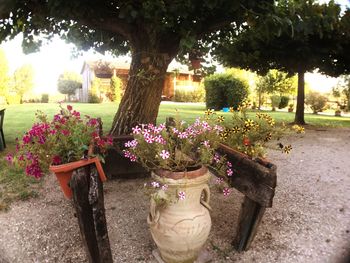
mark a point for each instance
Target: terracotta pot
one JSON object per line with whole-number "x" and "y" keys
{"x": 181, "y": 228}
{"x": 64, "y": 173}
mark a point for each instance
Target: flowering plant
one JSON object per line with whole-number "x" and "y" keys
{"x": 179, "y": 148}
{"x": 249, "y": 136}
{"x": 182, "y": 147}
{"x": 65, "y": 138}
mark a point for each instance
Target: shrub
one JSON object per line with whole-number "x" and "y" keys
{"x": 44, "y": 98}
{"x": 316, "y": 101}
{"x": 275, "y": 101}
{"x": 224, "y": 90}
{"x": 115, "y": 92}
{"x": 284, "y": 102}
{"x": 195, "y": 95}
{"x": 93, "y": 98}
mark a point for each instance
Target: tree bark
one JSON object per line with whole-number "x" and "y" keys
{"x": 299, "y": 113}
{"x": 142, "y": 96}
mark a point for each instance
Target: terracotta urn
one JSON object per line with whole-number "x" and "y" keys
{"x": 64, "y": 173}
{"x": 181, "y": 228}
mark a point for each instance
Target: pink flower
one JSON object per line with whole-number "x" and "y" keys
{"x": 229, "y": 172}
{"x": 181, "y": 195}
{"x": 183, "y": 135}
{"x": 206, "y": 144}
{"x": 229, "y": 164}
{"x": 9, "y": 158}
{"x": 133, "y": 157}
{"x": 76, "y": 114}
{"x": 127, "y": 154}
{"x": 219, "y": 180}
{"x": 26, "y": 139}
{"x": 226, "y": 191}
{"x": 69, "y": 107}
{"x": 136, "y": 130}
{"x": 92, "y": 122}
{"x": 159, "y": 139}
{"x": 217, "y": 157}
{"x": 53, "y": 132}
{"x": 149, "y": 138}
{"x": 155, "y": 184}
{"x": 164, "y": 187}
{"x": 164, "y": 154}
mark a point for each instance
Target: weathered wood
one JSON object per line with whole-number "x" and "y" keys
{"x": 89, "y": 204}
{"x": 249, "y": 220}
{"x": 80, "y": 187}
{"x": 96, "y": 199}
{"x": 254, "y": 178}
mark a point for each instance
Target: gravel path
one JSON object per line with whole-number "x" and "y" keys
{"x": 309, "y": 222}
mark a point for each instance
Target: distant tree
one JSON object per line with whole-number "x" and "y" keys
{"x": 274, "y": 82}
{"x": 4, "y": 75}
{"x": 23, "y": 80}
{"x": 68, "y": 82}
{"x": 342, "y": 90}
{"x": 299, "y": 36}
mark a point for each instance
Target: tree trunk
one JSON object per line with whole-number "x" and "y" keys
{"x": 142, "y": 96}
{"x": 260, "y": 99}
{"x": 299, "y": 113}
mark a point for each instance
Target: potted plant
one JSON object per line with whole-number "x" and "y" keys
{"x": 60, "y": 145}
{"x": 178, "y": 157}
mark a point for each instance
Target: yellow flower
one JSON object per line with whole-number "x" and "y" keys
{"x": 209, "y": 112}
{"x": 235, "y": 129}
{"x": 249, "y": 123}
{"x": 231, "y": 109}
{"x": 220, "y": 118}
{"x": 287, "y": 149}
{"x": 298, "y": 129}
{"x": 268, "y": 137}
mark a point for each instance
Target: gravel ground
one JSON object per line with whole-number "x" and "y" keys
{"x": 309, "y": 221}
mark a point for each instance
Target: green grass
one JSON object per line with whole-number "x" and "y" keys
{"x": 14, "y": 185}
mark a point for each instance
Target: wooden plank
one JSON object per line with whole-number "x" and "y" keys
{"x": 249, "y": 220}
{"x": 256, "y": 179}
{"x": 80, "y": 187}
{"x": 96, "y": 200}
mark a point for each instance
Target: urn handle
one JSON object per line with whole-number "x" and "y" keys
{"x": 206, "y": 197}
{"x": 153, "y": 216}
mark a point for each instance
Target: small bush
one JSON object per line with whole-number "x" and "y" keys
{"x": 44, "y": 98}
{"x": 115, "y": 92}
{"x": 284, "y": 102}
{"x": 224, "y": 90}
{"x": 316, "y": 101}
{"x": 93, "y": 98}
{"x": 275, "y": 101}
{"x": 195, "y": 95}
{"x": 13, "y": 99}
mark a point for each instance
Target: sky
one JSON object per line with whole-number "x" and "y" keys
{"x": 56, "y": 57}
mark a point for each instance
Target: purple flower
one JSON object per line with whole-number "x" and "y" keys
{"x": 181, "y": 195}
{"x": 226, "y": 191}
{"x": 164, "y": 154}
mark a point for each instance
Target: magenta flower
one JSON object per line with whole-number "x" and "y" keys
{"x": 133, "y": 157}
{"x": 93, "y": 122}
{"x": 26, "y": 139}
{"x": 164, "y": 154}
{"x": 217, "y": 157}
{"x": 76, "y": 114}
{"x": 65, "y": 132}
{"x": 181, "y": 195}
{"x": 226, "y": 191}
{"x": 56, "y": 160}
{"x": 69, "y": 107}
{"x": 149, "y": 138}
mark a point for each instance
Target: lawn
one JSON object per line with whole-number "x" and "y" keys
{"x": 19, "y": 118}
{"x": 14, "y": 185}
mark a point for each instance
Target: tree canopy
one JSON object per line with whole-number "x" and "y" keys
{"x": 298, "y": 36}
{"x": 4, "y": 74}
{"x": 154, "y": 31}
